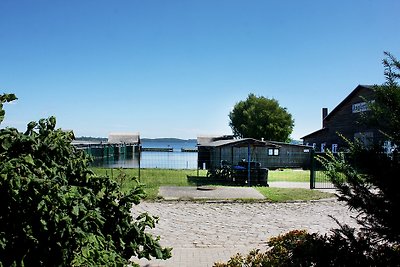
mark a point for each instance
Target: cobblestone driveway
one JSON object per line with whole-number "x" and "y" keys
{"x": 202, "y": 233}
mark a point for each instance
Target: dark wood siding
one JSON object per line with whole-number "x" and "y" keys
{"x": 290, "y": 156}
{"x": 343, "y": 121}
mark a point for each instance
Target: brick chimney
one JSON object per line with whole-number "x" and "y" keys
{"x": 324, "y": 114}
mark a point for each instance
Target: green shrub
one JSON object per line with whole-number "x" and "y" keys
{"x": 55, "y": 212}
{"x": 299, "y": 248}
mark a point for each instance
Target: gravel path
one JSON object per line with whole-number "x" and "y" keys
{"x": 202, "y": 233}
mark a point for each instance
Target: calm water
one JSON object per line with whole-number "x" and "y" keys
{"x": 176, "y": 145}
{"x": 162, "y": 160}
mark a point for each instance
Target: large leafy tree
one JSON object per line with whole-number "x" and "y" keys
{"x": 259, "y": 117}
{"x": 55, "y": 212}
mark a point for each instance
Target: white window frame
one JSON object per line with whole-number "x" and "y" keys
{"x": 323, "y": 145}
{"x": 334, "y": 148}
{"x": 273, "y": 151}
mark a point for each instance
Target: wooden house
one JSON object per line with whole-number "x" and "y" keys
{"x": 214, "y": 151}
{"x": 289, "y": 156}
{"x": 345, "y": 120}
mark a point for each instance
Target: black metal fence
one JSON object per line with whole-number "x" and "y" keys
{"x": 149, "y": 159}
{"x": 242, "y": 167}
{"x": 318, "y": 174}
{"x": 250, "y": 166}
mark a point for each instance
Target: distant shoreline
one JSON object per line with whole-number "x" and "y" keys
{"x": 161, "y": 139}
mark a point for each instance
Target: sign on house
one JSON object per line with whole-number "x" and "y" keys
{"x": 361, "y": 107}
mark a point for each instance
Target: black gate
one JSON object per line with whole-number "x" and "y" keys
{"x": 318, "y": 177}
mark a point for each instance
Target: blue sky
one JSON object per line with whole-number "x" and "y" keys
{"x": 176, "y": 68}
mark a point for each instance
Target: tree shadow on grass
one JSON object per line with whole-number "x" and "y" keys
{"x": 203, "y": 180}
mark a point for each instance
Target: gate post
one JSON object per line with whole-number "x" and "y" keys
{"x": 312, "y": 169}
{"x": 248, "y": 164}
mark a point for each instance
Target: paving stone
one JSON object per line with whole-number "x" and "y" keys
{"x": 221, "y": 192}
{"x": 202, "y": 233}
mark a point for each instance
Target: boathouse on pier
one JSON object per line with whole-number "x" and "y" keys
{"x": 124, "y": 138}
{"x": 117, "y": 144}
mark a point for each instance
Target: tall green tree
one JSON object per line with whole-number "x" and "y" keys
{"x": 385, "y": 113}
{"x": 55, "y": 212}
{"x": 260, "y": 117}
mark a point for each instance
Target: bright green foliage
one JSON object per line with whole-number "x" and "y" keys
{"x": 55, "y": 212}
{"x": 260, "y": 117}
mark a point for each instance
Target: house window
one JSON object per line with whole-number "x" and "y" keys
{"x": 365, "y": 138}
{"x": 323, "y": 145}
{"x": 389, "y": 148}
{"x": 273, "y": 152}
{"x": 334, "y": 148}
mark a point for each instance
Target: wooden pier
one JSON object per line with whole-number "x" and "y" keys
{"x": 189, "y": 150}
{"x": 157, "y": 149}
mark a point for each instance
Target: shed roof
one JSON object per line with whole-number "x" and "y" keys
{"x": 237, "y": 143}
{"x": 127, "y": 138}
{"x": 208, "y": 139}
{"x": 287, "y": 144}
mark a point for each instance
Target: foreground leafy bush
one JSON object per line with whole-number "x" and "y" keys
{"x": 54, "y": 211}
{"x": 299, "y": 248}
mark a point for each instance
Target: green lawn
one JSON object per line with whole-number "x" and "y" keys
{"x": 289, "y": 175}
{"x": 154, "y": 178}
{"x": 290, "y": 194}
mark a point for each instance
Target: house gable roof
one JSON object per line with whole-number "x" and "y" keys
{"x": 314, "y": 133}
{"x": 339, "y": 106}
{"x": 350, "y": 96}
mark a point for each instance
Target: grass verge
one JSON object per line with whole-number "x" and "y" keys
{"x": 289, "y": 175}
{"x": 154, "y": 178}
{"x": 275, "y": 194}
